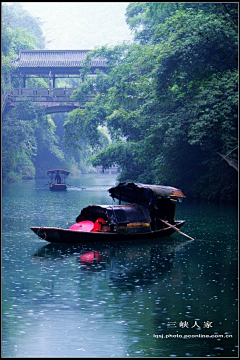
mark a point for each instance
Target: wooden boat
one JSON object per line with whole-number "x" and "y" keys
{"x": 57, "y": 179}
{"x": 149, "y": 215}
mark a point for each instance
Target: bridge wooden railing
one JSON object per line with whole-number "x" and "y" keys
{"x": 53, "y": 99}
{"x": 42, "y": 94}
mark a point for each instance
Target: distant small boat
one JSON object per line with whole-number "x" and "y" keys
{"x": 150, "y": 214}
{"x": 57, "y": 179}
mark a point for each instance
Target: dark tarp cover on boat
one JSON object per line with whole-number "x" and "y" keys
{"x": 142, "y": 193}
{"x": 116, "y": 214}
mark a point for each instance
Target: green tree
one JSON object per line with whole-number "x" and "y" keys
{"x": 20, "y": 31}
{"x": 29, "y": 142}
{"x": 16, "y": 18}
{"x": 169, "y": 100}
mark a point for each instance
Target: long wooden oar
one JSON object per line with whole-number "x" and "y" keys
{"x": 79, "y": 187}
{"x": 174, "y": 227}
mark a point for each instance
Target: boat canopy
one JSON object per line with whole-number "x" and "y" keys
{"x": 143, "y": 193}
{"x": 115, "y": 214}
{"x": 60, "y": 171}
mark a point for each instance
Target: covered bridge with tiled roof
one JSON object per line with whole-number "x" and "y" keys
{"x": 52, "y": 63}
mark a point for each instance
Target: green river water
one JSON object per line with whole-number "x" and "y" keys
{"x": 170, "y": 297}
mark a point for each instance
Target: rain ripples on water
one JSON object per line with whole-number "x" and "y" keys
{"x": 147, "y": 299}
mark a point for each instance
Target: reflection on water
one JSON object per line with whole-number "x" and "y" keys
{"x": 156, "y": 298}
{"x": 127, "y": 265}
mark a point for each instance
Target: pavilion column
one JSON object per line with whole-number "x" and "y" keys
{"x": 50, "y": 84}
{"x": 19, "y": 84}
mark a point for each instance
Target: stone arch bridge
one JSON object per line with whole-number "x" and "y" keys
{"x": 51, "y": 65}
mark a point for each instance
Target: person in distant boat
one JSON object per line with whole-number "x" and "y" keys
{"x": 58, "y": 178}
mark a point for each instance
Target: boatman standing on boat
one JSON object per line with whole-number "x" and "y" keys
{"x": 58, "y": 178}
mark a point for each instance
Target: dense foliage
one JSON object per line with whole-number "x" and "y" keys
{"x": 164, "y": 110}
{"x": 19, "y": 31}
{"x": 32, "y": 141}
{"x": 169, "y": 99}
{"x": 28, "y": 135}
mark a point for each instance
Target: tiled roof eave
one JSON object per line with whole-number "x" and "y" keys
{"x": 54, "y": 58}
{"x": 55, "y": 65}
